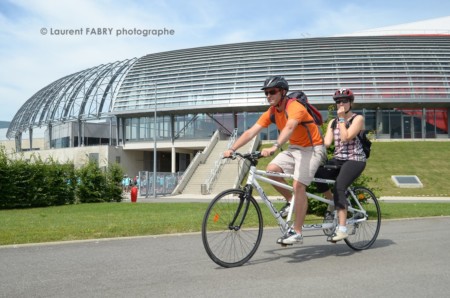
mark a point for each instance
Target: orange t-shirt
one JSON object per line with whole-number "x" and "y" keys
{"x": 295, "y": 110}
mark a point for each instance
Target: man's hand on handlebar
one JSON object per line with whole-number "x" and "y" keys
{"x": 269, "y": 151}
{"x": 228, "y": 153}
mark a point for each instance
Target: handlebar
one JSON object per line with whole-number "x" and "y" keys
{"x": 252, "y": 157}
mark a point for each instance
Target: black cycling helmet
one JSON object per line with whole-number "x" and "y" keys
{"x": 344, "y": 93}
{"x": 276, "y": 82}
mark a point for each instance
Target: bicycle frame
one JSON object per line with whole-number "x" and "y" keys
{"x": 256, "y": 175}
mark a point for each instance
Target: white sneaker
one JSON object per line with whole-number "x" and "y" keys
{"x": 338, "y": 235}
{"x": 293, "y": 238}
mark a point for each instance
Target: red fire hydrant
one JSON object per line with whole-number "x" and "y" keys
{"x": 134, "y": 193}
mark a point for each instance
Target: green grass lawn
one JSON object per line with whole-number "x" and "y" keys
{"x": 106, "y": 220}
{"x": 429, "y": 160}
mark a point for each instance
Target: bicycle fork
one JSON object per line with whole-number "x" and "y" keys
{"x": 244, "y": 202}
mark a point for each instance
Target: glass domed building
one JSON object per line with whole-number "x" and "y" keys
{"x": 401, "y": 85}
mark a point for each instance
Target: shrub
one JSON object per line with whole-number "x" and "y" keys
{"x": 114, "y": 176}
{"x": 35, "y": 183}
{"x": 95, "y": 185}
{"x": 91, "y": 184}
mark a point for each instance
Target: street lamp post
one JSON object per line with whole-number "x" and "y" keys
{"x": 154, "y": 148}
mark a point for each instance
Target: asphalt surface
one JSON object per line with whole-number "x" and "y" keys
{"x": 409, "y": 259}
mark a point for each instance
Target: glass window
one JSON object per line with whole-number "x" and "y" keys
{"x": 436, "y": 122}
{"x": 127, "y": 125}
{"x": 144, "y": 128}
{"x": 134, "y": 129}
{"x": 370, "y": 120}
{"x": 395, "y": 130}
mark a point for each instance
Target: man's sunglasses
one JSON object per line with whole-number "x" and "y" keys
{"x": 271, "y": 92}
{"x": 344, "y": 100}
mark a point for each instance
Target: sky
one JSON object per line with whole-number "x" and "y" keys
{"x": 42, "y": 41}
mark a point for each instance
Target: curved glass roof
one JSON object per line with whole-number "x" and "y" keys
{"x": 85, "y": 95}
{"x": 382, "y": 70}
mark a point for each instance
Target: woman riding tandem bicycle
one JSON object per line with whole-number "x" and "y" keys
{"x": 348, "y": 156}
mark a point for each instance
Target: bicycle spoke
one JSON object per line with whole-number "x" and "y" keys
{"x": 362, "y": 234}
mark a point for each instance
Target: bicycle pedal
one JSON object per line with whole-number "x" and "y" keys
{"x": 282, "y": 244}
{"x": 331, "y": 241}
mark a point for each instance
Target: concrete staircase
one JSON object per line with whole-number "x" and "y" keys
{"x": 203, "y": 170}
{"x": 227, "y": 176}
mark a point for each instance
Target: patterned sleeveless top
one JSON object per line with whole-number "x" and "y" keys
{"x": 351, "y": 150}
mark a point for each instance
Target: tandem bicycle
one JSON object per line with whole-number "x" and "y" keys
{"x": 232, "y": 226}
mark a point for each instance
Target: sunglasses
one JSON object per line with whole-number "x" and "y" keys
{"x": 271, "y": 92}
{"x": 344, "y": 100}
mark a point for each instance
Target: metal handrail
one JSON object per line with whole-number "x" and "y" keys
{"x": 218, "y": 164}
{"x": 199, "y": 158}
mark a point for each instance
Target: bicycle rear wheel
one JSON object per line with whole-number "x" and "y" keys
{"x": 232, "y": 228}
{"x": 363, "y": 234}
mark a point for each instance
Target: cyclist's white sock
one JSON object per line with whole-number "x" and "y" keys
{"x": 342, "y": 229}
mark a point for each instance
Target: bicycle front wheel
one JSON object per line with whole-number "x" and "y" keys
{"x": 363, "y": 233}
{"x": 232, "y": 228}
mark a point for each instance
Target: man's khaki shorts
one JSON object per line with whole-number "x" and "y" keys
{"x": 302, "y": 162}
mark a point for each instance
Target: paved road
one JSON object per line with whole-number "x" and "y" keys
{"x": 410, "y": 259}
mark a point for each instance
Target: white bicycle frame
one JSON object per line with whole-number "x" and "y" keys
{"x": 256, "y": 175}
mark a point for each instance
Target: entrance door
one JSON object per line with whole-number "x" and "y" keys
{"x": 407, "y": 127}
{"x": 412, "y": 127}
{"x": 417, "y": 127}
